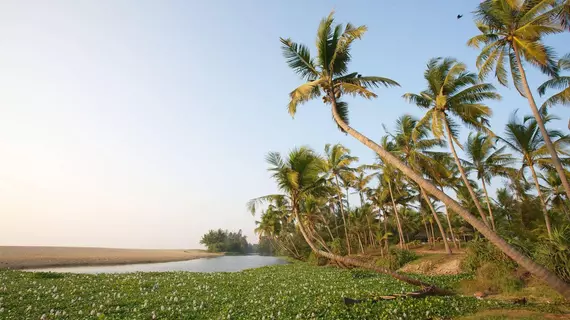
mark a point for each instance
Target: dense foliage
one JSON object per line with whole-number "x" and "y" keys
{"x": 420, "y": 187}
{"x": 295, "y": 291}
{"x": 226, "y": 241}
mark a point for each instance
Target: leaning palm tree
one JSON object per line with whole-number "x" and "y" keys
{"x": 337, "y": 164}
{"x": 327, "y": 77}
{"x": 558, "y": 83}
{"x": 512, "y": 31}
{"x": 523, "y": 137}
{"x": 300, "y": 177}
{"x": 453, "y": 92}
{"x": 487, "y": 161}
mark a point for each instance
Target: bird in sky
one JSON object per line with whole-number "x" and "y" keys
{"x": 459, "y": 16}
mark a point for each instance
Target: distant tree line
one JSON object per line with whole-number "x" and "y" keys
{"x": 226, "y": 241}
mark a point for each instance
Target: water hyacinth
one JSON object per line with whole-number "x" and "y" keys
{"x": 294, "y": 291}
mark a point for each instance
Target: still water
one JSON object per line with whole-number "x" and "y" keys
{"x": 218, "y": 264}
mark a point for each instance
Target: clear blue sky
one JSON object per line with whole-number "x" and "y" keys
{"x": 145, "y": 123}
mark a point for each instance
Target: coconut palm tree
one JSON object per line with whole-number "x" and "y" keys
{"x": 454, "y": 92}
{"x": 361, "y": 181}
{"x": 523, "y": 137}
{"x": 338, "y": 165}
{"x": 327, "y": 77}
{"x": 412, "y": 146}
{"x": 512, "y": 31}
{"x": 553, "y": 191}
{"x": 299, "y": 177}
{"x": 558, "y": 83}
{"x": 487, "y": 161}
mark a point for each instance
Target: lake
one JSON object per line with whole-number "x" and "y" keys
{"x": 217, "y": 264}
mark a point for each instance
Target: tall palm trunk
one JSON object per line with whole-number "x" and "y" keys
{"x": 357, "y": 263}
{"x": 432, "y": 232}
{"x": 538, "y": 270}
{"x": 436, "y": 218}
{"x": 538, "y": 118}
{"x": 542, "y": 203}
{"x": 430, "y": 240}
{"x": 398, "y": 223}
{"x": 342, "y": 214}
{"x": 464, "y": 175}
{"x": 488, "y": 204}
{"x": 448, "y": 218}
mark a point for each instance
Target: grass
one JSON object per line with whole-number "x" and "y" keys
{"x": 294, "y": 291}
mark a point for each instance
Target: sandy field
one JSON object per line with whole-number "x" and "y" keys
{"x": 14, "y": 257}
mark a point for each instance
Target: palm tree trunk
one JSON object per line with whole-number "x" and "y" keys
{"x": 538, "y": 270}
{"x": 432, "y": 233}
{"x": 347, "y": 195}
{"x": 536, "y": 113}
{"x": 449, "y": 224}
{"x": 360, "y": 242}
{"x": 342, "y": 214}
{"x": 436, "y": 218}
{"x": 488, "y": 204}
{"x": 399, "y": 225}
{"x": 357, "y": 263}
{"x": 361, "y": 198}
{"x": 464, "y": 175}
{"x": 543, "y": 204}
{"x": 430, "y": 240}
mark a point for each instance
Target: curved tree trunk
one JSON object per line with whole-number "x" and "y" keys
{"x": 538, "y": 270}
{"x": 342, "y": 214}
{"x": 538, "y": 118}
{"x": 436, "y": 218}
{"x": 357, "y": 263}
{"x": 488, "y": 204}
{"x": 398, "y": 223}
{"x": 464, "y": 175}
{"x": 542, "y": 203}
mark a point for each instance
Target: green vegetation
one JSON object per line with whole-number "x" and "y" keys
{"x": 415, "y": 184}
{"x": 226, "y": 241}
{"x": 294, "y": 291}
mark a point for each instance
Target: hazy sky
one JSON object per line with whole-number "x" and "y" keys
{"x": 145, "y": 123}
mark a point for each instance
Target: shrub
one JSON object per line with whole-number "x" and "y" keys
{"x": 554, "y": 253}
{"x": 495, "y": 278}
{"x": 316, "y": 260}
{"x": 396, "y": 258}
{"x": 480, "y": 252}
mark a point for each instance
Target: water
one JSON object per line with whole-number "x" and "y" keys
{"x": 218, "y": 264}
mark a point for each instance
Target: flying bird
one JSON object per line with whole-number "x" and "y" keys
{"x": 459, "y": 16}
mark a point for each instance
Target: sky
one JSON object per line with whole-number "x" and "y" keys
{"x": 143, "y": 124}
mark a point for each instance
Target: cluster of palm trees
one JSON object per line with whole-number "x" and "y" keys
{"x": 414, "y": 172}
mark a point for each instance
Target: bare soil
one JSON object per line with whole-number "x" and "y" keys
{"x": 16, "y": 257}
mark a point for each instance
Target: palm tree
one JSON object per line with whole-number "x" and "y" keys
{"x": 299, "y": 177}
{"x": 444, "y": 175}
{"x": 553, "y": 191}
{"x": 361, "y": 181}
{"x": 328, "y": 74}
{"x": 412, "y": 145}
{"x": 452, "y": 91}
{"x": 523, "y": 138}
{"x": 558, "y": 83}
{"x": 338, "y": 161}
{"x": 487, "y": 161}
{"x": 513, "y": 31}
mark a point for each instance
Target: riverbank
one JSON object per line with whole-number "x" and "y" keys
{"x": 292, "y": 291}
{"x": 16, "y": 257}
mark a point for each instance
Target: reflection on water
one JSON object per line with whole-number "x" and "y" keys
{"x": 218, "y": 264}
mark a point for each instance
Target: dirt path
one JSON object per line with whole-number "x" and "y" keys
{"x": 14, "y": 257}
